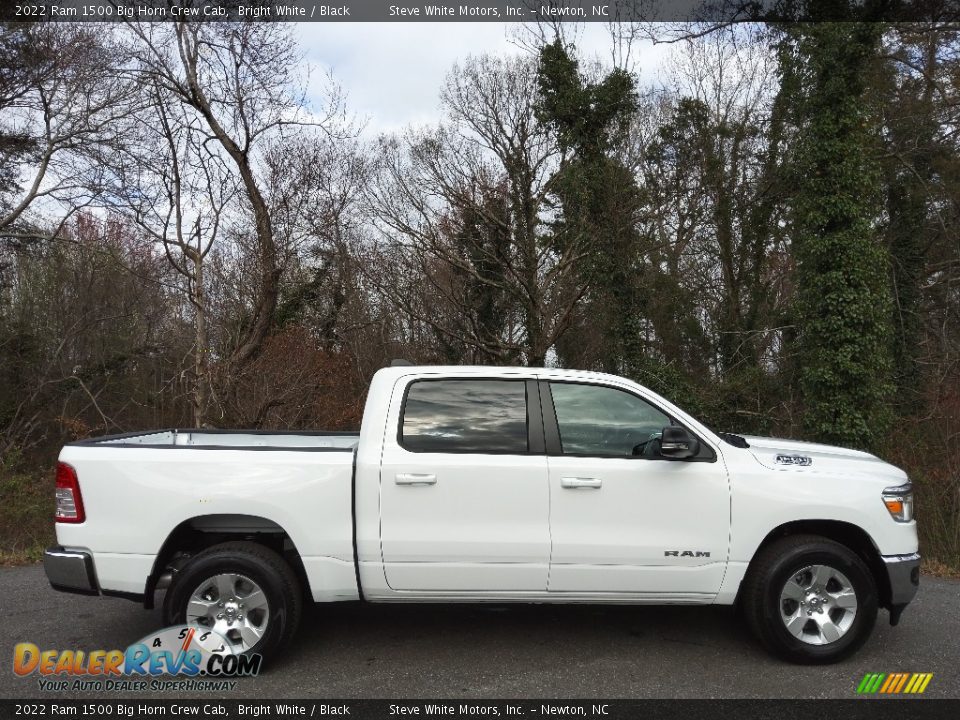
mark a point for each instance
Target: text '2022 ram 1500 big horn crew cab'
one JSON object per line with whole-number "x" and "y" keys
{"x": 483, "y": 484}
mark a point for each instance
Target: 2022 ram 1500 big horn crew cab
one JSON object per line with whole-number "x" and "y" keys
{"x": 491, "y": 484}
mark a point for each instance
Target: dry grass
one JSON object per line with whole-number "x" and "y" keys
{"x": 26, "y": 514}
{"x": 936, "y": 568}
{"x": 929, "y": 452}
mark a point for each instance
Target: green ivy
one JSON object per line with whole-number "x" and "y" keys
{"x": 843, "y": 302}
{"x": 598, "y": 196}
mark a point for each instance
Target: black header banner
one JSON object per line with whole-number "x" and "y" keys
{"x": 716, "y": 11}
{"x": 417, "y": 709}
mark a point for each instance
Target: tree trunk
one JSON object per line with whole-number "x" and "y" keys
{"x": 201, "y": 349}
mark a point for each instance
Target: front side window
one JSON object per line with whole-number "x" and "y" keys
{"x": 465, "y": 416}
{"x": 599, "y": 420}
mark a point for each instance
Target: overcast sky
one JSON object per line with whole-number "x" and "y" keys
{"x": 392, "y": 72}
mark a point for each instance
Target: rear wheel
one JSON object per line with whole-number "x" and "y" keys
{"x": 243, "y": 591}
{"x": 810, "y": 600}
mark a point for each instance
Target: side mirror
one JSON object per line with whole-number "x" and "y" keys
{"x": 676, "y": 443}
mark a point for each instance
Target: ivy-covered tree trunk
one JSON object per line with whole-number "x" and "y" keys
{"x": 843, "y": 297}
{"x": 598, "y": 196}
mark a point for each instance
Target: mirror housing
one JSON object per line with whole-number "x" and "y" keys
{"x": 677, "y": 444}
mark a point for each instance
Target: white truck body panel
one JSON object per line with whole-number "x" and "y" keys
{"x": 484, "y": 525}
{"x": 473, "y": 527}
{"x": 135, "y": 497}
{"x": 612, "y": 538}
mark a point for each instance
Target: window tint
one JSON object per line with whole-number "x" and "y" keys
{"x": 482, "y": 416}
{"x": 597, "y": 420}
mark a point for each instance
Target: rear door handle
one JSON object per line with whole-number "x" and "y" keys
{"x": 579, "y": 482}
{"x": 415, "y": 479}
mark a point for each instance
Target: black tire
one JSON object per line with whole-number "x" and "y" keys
{"x": 256, "y": 562}
{"x": 766, "y": 579}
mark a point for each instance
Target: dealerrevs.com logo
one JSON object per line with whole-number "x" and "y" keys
{"x": 201, "y": 659}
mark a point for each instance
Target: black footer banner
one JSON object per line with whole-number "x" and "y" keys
{"x": 418, "y": 709}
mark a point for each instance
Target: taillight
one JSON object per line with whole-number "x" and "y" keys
{"x": 69, "y": 501}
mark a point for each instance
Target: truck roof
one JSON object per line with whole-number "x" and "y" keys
{"x": 494, "y": 371}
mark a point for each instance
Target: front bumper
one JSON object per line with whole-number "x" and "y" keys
{"x": 903, "y": 573}
{"x": 70, "y": 571}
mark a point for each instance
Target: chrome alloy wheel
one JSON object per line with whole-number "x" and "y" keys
{"x": 818, "y": 604}
{"x": 233, "y": 606}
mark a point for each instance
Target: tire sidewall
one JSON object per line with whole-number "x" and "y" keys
{"x": 864, "y": 586}
{"x": 267, "y": 578}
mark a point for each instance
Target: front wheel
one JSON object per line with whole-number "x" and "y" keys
{"x": 243, "y": 591}
{"x": 810, "y": 600}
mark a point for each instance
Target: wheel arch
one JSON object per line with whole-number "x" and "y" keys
{"x": 202, "y": 531}
{"x": 847, "y": 534}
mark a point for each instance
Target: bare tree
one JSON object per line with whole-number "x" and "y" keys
{"x": 240, "y": 85}
{"x": 178, "y": 189}
{"x": 314, "y": 190}
{"x": 714, "y": 178}
{"x": 216, "y": 101}
{"x": 61, "y": 102}
{"x": 85, "y": 325}
{"x": 469, "y": 206}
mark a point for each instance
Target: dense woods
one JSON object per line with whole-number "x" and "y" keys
{"x": 767, "y": 235}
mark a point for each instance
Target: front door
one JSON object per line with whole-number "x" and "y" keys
{"x": 624, "y": 519}
{"x": 464, "y": 499}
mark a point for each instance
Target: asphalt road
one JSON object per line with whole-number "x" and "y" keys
{"x": 473, "y": 651}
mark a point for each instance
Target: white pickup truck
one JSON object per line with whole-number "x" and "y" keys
{"x": 483, "y": 484}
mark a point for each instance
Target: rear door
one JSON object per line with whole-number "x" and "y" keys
{"x": 624, "y": 519}
{"x": 464, "y": 495}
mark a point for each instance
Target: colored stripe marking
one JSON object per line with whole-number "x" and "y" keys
{"x": 890, "y": 685}
{"x": 903, "y": 680}
{"x": 894, "y": 683}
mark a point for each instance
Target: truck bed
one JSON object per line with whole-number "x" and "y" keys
{"x": 138, "y": 488}
{"x": 238, "y": 439}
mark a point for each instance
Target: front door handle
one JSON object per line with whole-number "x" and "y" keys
{"x": 580, "y": 482}
{"x": 415, "y": 479}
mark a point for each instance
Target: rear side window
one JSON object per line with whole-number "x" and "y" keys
{"x": 465, "y": 416}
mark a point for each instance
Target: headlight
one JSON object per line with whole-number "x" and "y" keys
{"x": 899, "y": 501}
